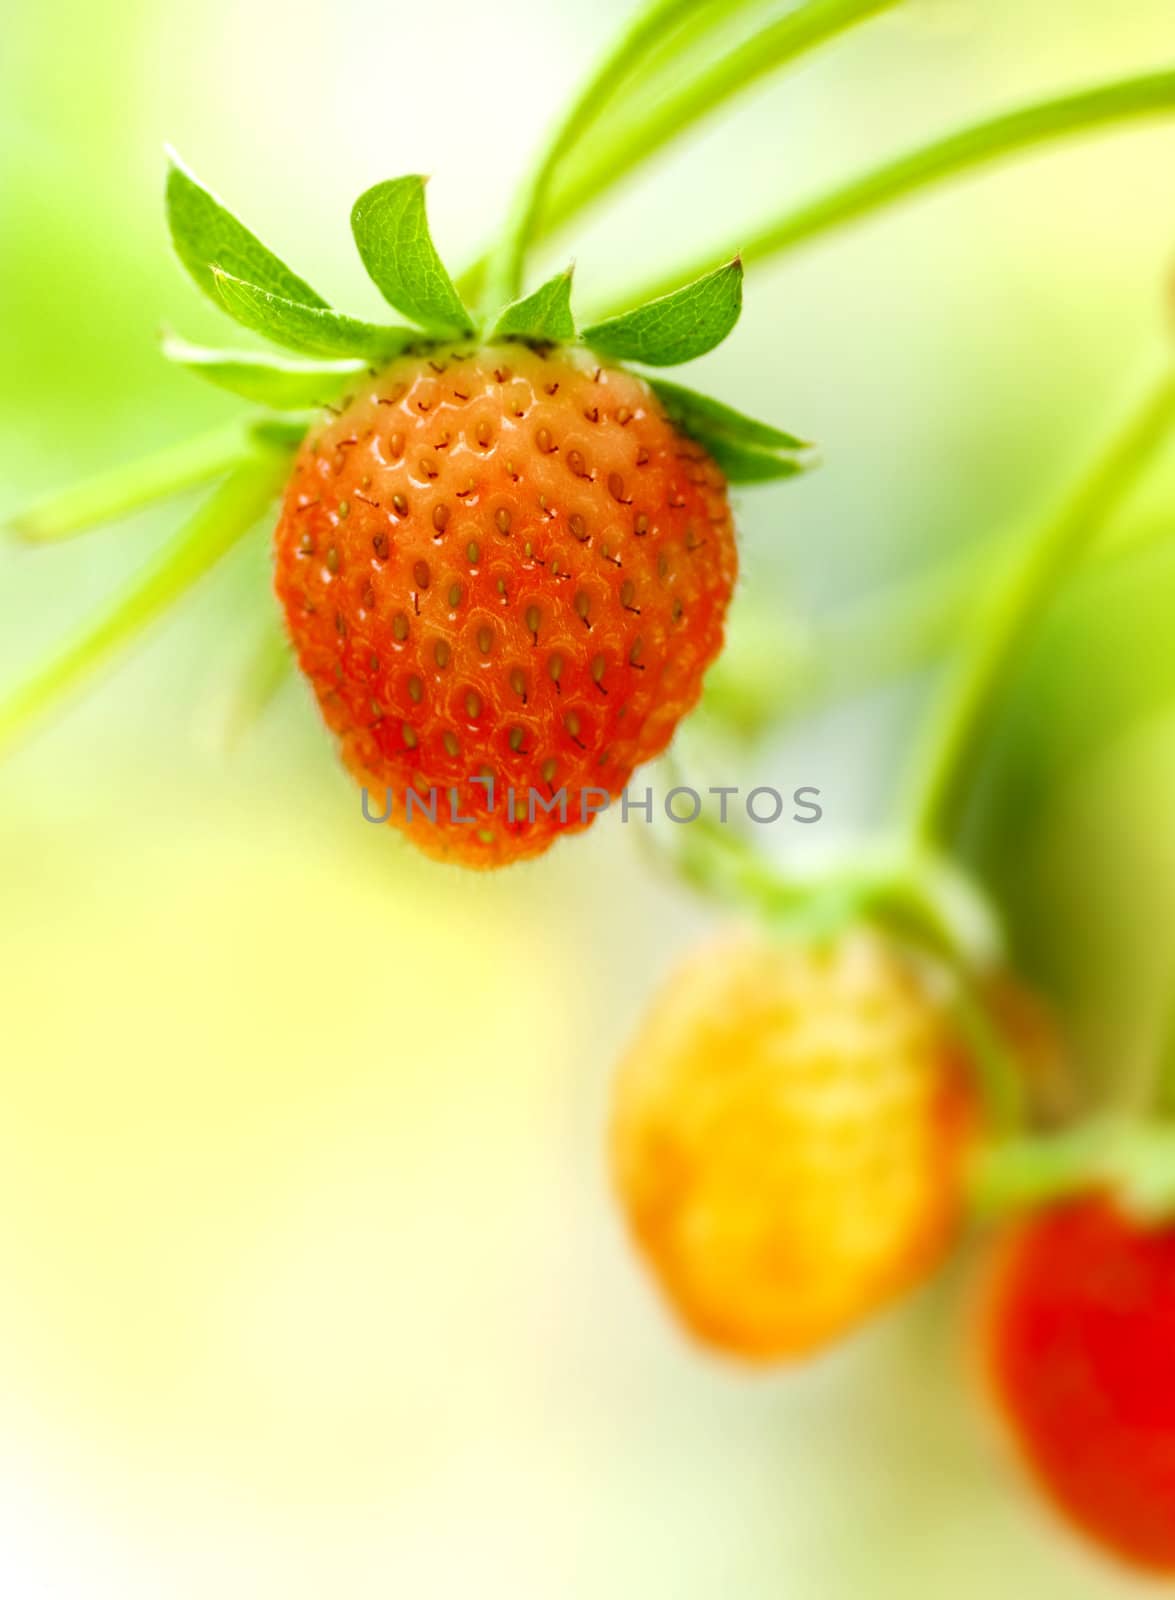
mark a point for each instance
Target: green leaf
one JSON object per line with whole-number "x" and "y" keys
{"x": 544, "y": 315}
{"x": 747, "y": 451}
{"x": 701, "y": 413}
{"x": 391, "y": 230}
{"x": 207, "y": 236}
{"x": 312, "y": 330}
{"x": 286, "y": 383}
{"x": 679, "y": 326}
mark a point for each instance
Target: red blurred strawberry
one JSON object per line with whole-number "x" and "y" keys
{"x": 1082, "y": 1351}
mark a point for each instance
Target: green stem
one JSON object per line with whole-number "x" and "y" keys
{"x": 634, "y": 136}
{"x": 961, "y": 725}
{"x": 915, "y": 896}
{"x": 791, "y": 37}
{"x": 225, "y": 518}
{"x": 647, "y": 29}
{"x": 128, "y": 488}
{"x": 1150, "y": 95}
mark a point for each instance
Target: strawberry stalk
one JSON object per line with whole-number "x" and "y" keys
{"x": 647, "y": 29}
{"x": 233, "y": 509}
{"x": 960, "y": 727}
{"x": 984, "y": 143}
{"x": 602, "y": 165}
{"x": 917, "y": 898}
{"x": 582, "y": 171}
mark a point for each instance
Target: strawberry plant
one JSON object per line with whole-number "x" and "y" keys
{"x": 504, "y": 548}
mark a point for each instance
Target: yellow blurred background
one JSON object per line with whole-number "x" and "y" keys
{"x": 310, "y": 1282}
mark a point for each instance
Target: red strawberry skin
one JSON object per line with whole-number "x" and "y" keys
{"x": 502, "y": 564}
{"x": 1082, "y": 1351}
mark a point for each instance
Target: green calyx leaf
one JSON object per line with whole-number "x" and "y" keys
{"x": 1134, "y": 1161}
{"x": 679, "y": 326}
{"x": 747, "y": 451}
{"x": 544, "y": 316}
{"x": 702, "y": 413}
{"x": 311, "y": 330}
{"x": 283, "y": 382}
{"x": 751, "y": 466}
{"x": 391, "y": 230}
{"x": 207, "y": 236}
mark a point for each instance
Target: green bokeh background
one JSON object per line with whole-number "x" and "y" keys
{"x": 310, "y": 1282}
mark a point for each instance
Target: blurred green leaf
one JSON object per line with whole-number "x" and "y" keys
{"x": 390, "y": 225}
{"x": 312, "y": 330}
{"x": 234, "y": 507}
{"x": 677, "y": 327}
{"x": 543, "y": 315}
{"x": 283, "y": 382}
{"x": 207, "y": 236}
{"x": 130, "y": 486}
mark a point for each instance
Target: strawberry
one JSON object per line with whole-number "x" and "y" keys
{"x": 504, "y": 558}
{"x": 503, "y": 569}
{"x": 788, "y": 1134}
{"x": 1080, "y": 1342}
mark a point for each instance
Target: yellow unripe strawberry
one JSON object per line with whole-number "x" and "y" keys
{"x": 788, "y": 1137}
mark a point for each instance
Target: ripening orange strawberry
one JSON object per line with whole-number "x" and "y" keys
{"x": 504, "y": 571}
{"x": 788, "y": 1135}
{"x": 1081, "y": 1344}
